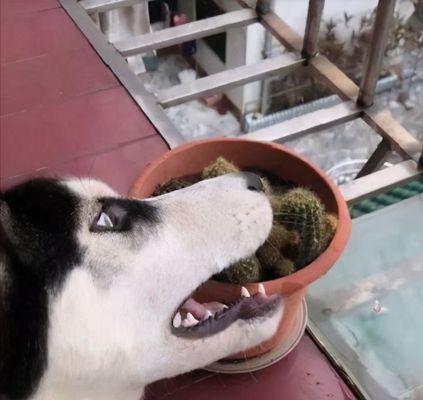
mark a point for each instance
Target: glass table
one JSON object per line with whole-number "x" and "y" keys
{"x": 367, "y": 312}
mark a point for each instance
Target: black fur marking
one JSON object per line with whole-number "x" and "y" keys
{"x": 39, "y": 248}
{"x": 124, "y": 213}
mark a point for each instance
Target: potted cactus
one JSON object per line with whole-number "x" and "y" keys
{"x": 313, "y": 236}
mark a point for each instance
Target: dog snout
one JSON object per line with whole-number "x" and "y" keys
{"x": 253, "y": 181}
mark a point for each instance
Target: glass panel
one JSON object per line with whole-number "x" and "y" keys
{"x": 368, "y": 308}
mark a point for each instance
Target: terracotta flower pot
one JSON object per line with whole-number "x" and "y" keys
{"x": 189, "y": 159}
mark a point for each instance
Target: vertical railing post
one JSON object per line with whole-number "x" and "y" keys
{"x": 311, "y": 35}
{"x": 376, "y": 50}
{"x": 263, "y": 6}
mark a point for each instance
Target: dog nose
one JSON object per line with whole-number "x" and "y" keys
{"x": 254, "y": 182}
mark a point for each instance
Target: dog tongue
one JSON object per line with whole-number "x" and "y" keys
{"x": 199, "y": 311}
{"x": 195, "y": 308}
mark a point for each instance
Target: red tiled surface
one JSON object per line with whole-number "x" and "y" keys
{"x": 15, "y": 7}
{"x": 40, "y": 80}
{"x": 63, "y": 113}
{"x": 49, "y": 135}
{"x": 303, "y": 375}
{"x": 30, "y": 35}
{"x": 117, "y": 167}
{"x": 120, "y": 167}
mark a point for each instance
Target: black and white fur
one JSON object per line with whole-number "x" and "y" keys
{"x": 89, "y": 282}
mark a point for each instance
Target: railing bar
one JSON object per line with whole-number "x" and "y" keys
{"x": 182, "y": 33}
{"x": 145, "y": 100}
{"x": 95, "y": 6}
{"x": 307, "y": 123}
{"x": 380, "y": 181}
{"x": 376, "y": 50}
{"x": 226, "y": 79}
{"x": 327, "y": 72}
{"x": 382, "y": 122}
{"x": 311, "y": 35}
{"x": 376, "y": 159}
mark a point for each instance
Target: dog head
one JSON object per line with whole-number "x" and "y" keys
{"x": 94, "y": 286}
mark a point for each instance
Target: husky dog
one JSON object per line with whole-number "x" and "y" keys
{"x": 95, "y": 288}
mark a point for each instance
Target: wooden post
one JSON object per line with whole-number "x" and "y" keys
{"x": 311, "y": 35}
{"x": 381, "y": 27}
{"x": 263, "y": 6}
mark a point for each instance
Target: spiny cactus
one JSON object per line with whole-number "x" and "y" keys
{"x": 283, "y": 267}
{"x": 329, "y": 228}
{"x": 301, "y": 230}
{"x": 170, "y": 186}
{"x": 301, "y": 210}
{"x": 267, "y": 187}
{"x": 275, "y": 265}
{"x": 243, "y": 271}
{"x": 217, "y": 168}
{"x": 271, "y": 253}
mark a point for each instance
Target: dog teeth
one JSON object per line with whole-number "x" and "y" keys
{"x": 177, "y": 320}
{"x": 245, "y": 292}
{"x": 261, "y": 289}
{"x": 189, "y": 321}
{"x": 207, "y": 315}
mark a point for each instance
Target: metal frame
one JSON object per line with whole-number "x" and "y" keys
{"x": 311, "y": 36}
{"x": 356, "y": 100}
{"x": 225, "y": 80}
{"x": 183, "y": 33}
{"x": 383, "y": 23}
{"x": 95, "y": 6}
{"x": 120, "y": 68}
{"x": 307, "y": 123}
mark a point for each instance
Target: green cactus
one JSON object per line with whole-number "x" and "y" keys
{"x": 170, "y": 186}
{"x": 283, "y": 267}
{"x": 301, "y": 230}
{"x": 329, "y": 228}
{"x": 217, "y": 168}
{"x": 271, "y": 253}
{"x": 267, "y": 187}
{"x": 301, "y": 210}
{"x": 244, "y": 271}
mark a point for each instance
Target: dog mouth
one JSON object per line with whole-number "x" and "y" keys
{"x": 197, "y": 320}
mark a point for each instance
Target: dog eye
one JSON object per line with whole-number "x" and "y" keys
{"x": 102, "y": 223}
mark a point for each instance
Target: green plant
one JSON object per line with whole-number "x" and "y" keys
{"x": 300, "y": 210}
{"x": 217, "y": 168}
{"x": 243, "y": 271}
{"x": 301, "y": 230}
{"x": 283, "y": 267}
{"x": 272, "y": 254}
{"x": 328, "y": 230}
{"x": 170, "y": 186}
